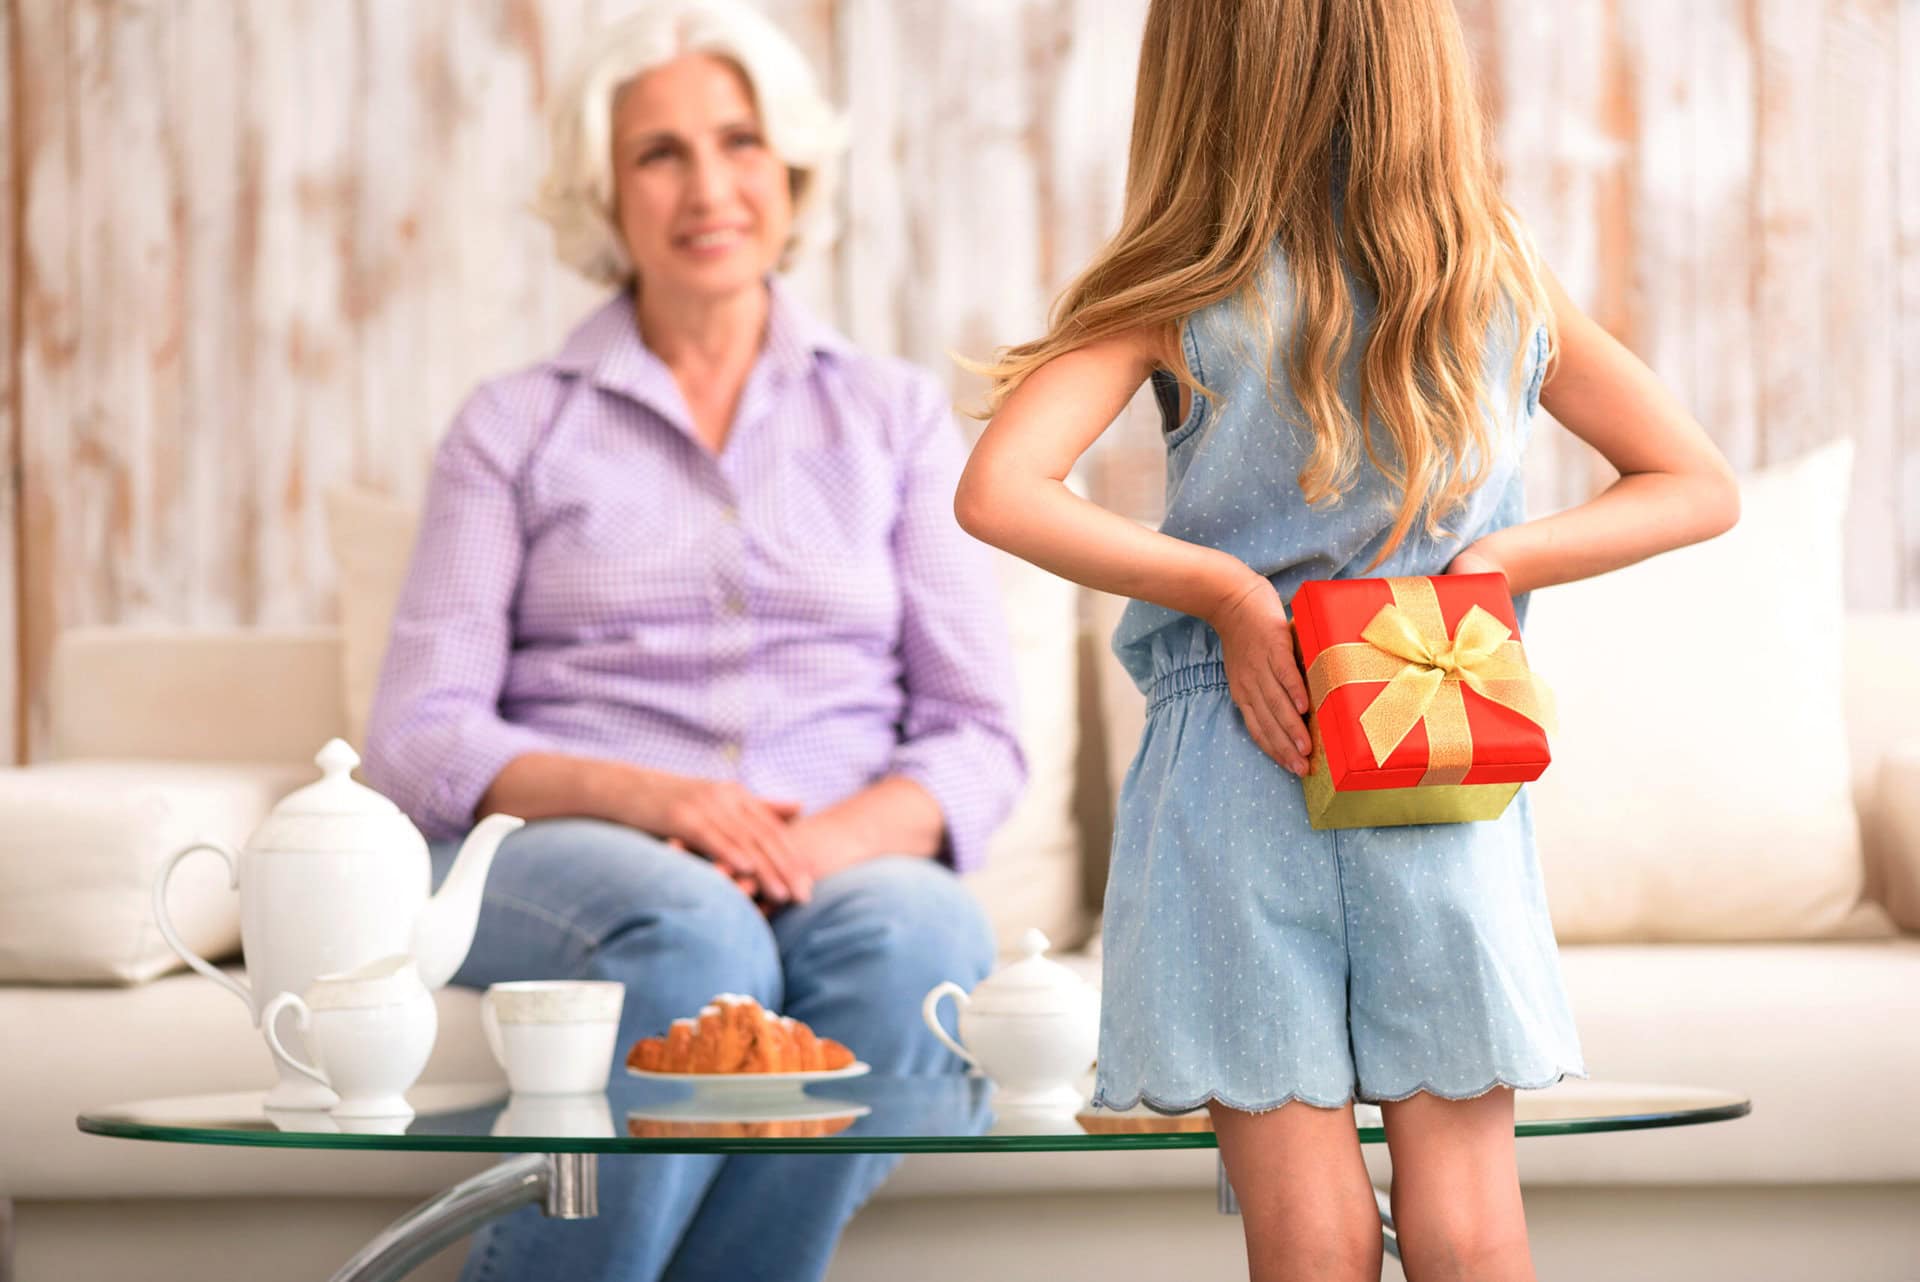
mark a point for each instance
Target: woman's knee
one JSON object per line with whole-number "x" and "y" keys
{"x": 913, "y": 915}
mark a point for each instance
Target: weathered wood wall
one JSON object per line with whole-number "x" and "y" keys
{"x": 258, "y": 250}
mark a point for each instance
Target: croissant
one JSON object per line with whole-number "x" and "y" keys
{"x": 735, "y": 1034}
{"x": 644, "y": 1128}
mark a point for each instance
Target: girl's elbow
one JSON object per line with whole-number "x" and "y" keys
{"x": 1724, "y": 503}
{"x": 973, "y": 509}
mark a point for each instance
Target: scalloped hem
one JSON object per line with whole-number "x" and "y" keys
{"x": 1499, "y": 1079}
{"x": 1160, "y": 1105}
{"x": 1170, "y": 1108}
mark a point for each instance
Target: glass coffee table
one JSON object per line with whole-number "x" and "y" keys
{"x": 554, "y": 1143}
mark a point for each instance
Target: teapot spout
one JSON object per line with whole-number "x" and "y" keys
{"x": 443, "y": 932}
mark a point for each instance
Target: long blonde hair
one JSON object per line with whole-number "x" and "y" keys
{"x": 1246, "y": 113}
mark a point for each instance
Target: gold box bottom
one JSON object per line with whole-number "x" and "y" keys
{"x": 1389, "y": 807}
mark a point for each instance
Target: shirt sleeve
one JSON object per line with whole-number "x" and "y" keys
{"x": 957, "y": 735}
{"x": 435, "y": 737}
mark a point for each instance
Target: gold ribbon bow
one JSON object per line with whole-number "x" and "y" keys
{"x": 1406, "y": 645}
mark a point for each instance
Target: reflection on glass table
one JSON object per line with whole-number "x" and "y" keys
{"x": 558, "y": 1138}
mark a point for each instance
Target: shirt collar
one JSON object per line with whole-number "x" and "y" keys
{"x": 607, "y": 347}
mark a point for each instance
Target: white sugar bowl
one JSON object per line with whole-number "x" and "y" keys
{"x": 1033, "y": 1026}
{"x": 371, "y": 1029}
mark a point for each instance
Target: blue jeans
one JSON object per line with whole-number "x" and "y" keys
{"x": 585, "y": 899}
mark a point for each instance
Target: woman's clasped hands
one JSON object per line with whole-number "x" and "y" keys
{"x": 763, "y": 845}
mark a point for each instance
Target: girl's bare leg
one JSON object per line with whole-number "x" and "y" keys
{"x": 1306, "y": 1204}
{"x": 1456, "y": 1188}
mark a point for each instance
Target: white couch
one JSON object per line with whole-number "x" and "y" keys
{"x": 1821, "y": 1181}
{"x": 1730, "y": 833}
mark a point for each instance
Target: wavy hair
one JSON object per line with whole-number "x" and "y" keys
{"x": 802, "y": 127}
{"x": 1247, "y": 113}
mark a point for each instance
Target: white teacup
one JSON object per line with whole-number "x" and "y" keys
{"x": 554, "y": 1036}
{"x": 371, "y": 1031}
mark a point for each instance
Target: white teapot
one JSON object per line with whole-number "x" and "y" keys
{"x": 1033, "y": 1026}
{"x": 334, "y": 878}
{"x": 371, "y": 1030}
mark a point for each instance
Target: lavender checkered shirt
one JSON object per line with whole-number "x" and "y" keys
{"x": 800, "y": 613}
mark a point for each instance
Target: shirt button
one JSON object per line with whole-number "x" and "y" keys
{"x": 730, "y": 750}
{"x": 730, "y": 514}
{"x": 736, "y": 604}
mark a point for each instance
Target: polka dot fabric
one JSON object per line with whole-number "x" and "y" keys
{"x": 1246, "y": 957}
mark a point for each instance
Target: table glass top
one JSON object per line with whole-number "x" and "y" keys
{"x": 868, "y": 1114}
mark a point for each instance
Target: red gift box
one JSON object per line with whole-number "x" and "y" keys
{"x": 1423, "y": 709}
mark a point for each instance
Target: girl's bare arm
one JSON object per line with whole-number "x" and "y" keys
{"x": 1675, "y": 487}
{"x": 1013, "y": 493}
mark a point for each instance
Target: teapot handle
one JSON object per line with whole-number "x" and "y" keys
{"x": 301, "y": 1017}
{"x": 930, "y": 1011}
{"x": 172, "y": 937}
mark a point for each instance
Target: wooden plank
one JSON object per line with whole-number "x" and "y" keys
{"x": 1562, "y": 150}
{"x": 302, "y": 110}
{"x": 1906, "y": 327}
{"x": 996, "y": 134}
{"x": 811, "y": 25}
{"x": 1791, "y": 268}
{"x": 1658, "y": 43}
{"x": 1720, "y": 167}
{"x": 264, "y": 250}
{"x": 1089, "y": 125}
{"x": 48, "y": 342}
{"x": 1859, "y": 299}
{"x": 211, "y": 542}
{"x": 11, "y": 750}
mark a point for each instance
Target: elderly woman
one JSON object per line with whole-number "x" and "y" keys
{"x": 689, "y": 597}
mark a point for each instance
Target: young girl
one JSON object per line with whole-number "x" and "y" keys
{"x": 1314, "y": 239}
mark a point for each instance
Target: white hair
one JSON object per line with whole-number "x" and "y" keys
{"x": 802, "y": 127}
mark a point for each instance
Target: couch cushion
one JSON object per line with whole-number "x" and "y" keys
{"x": 371, "y": 538}
{"x": 1701, "y": 787}
{"x": 1032, "y": 876}
{"x": 191, "y": 694}
{"x": 81, "y": 843}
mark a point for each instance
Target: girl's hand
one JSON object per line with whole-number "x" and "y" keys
{"x": 743, "y": 834}
{"x": 1256, "y": 643}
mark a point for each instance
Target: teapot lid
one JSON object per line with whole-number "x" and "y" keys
{"x": 382, "y": 982}
{"x": 1034, "y": 985}
{"x": 336, "y": 793}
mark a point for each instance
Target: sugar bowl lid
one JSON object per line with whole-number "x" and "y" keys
{"x": 1033, "y": 985}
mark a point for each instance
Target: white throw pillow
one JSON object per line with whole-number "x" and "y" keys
{"x": 81, "y": 843}
{"x": 1033, "y": 874}
{"x": 1700, "y": 784}
{"x": 1896, "y": 803}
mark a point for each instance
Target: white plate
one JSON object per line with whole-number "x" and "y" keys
{"x": 749, "y": 1083}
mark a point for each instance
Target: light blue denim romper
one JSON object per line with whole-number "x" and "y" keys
{"x": 1246, "y": 957}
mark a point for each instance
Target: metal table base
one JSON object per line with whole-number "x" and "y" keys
{"x": 566, "y": 1185}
